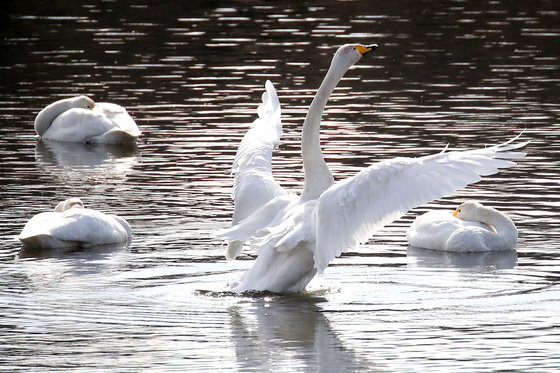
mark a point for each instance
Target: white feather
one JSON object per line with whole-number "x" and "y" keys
{"x": 74, "y": 226}
{"x": 472, "y": 228}
{"x": 79, "y": 119}
{"x": 254, "y": 184}
{"x": 297, "y": 236}
{"x": 353, "y": 209}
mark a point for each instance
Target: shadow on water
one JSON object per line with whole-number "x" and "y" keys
{"x": 444, "y": 259}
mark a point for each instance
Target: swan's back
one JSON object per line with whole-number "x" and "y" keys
{"x": 78, "y": 125}
{"x": 73, "y": 227}
{"x": 105, "y": 123}
{"x": 433, "y": 229}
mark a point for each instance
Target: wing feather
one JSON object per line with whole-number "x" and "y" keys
{"x": 254, "y": 184}
{"x": 351, "y": 211}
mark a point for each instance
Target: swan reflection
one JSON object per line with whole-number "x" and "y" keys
{"x": 443, "y": 259}
{"x": 269, "y": 335}
{"x": 58, "y": 157}
{"x": 79, "y": 254}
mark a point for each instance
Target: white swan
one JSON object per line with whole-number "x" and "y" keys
{"x": 80, "y": 119}
{"x": 471, "y": 228}
{"x": 296, "y": 236}
{"x": 72, "y": 225}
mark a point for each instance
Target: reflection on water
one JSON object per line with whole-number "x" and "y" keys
{"x": 68, "y": 154}
{"x": 269, "y": 332}
{"x": 62, "y": 159}
{"x": 480, "y": 261}
{"x": 459, "y": 73}
{"x": 76, "y": 253}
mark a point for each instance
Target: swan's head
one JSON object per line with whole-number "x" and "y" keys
{"x": 83, "y": 102}
{"x": 68, "y": 204}
{"x": 349, "y": 54}
{"x": 47, "y": 115}
{"x": 468, "y": 210}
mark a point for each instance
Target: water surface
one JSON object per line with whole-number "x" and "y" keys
{"x": 191, "y": 74}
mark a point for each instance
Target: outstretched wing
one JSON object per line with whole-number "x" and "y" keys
{"x": 351, "y": 211}
{"x": 254, "y": 184}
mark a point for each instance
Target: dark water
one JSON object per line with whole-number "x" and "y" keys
{"x": 191, "y": 73}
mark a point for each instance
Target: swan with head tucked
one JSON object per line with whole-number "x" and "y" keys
{"x": 471, "y": 228}
{"x": 72, "y": 225}
{"x": 298, "y": 235}
{"x": 80, "y": 119}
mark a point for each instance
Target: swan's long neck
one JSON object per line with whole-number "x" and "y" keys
{"x": 47, "y": 115}
{"x": 318, "y": 177}
{"x": 506, "y": 232}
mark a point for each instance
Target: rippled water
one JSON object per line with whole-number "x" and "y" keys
{"x": 191, "y": 74}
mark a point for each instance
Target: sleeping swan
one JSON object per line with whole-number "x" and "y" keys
{"x": 471, "y": 228}
{"x": 80, "y": 119}
{"x": 72, "y": 225}
{"x": 297, "y": 235}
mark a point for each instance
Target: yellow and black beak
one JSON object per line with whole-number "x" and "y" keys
{"x": 365, "y": 49}
{"x": 456, "y": 212}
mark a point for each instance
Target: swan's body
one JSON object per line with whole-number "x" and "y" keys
{"x": 79, "y": 119}
{"x": 472, "y": 228}
{"x": 72, "y": 225}
{"x": 297, "y": 236}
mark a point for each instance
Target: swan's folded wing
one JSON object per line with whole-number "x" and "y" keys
{"x": 120, "y": 117}
{"x": 254, "y": 184}
{"x": 88, "y": 226}
{"x": 73, "y": 227}
{"x": 351, "y": 211}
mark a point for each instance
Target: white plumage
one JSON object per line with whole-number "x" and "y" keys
{"x": 80, "y": 119}
{"x": 296, "y": 236}
{"x": 71, "y": 225}
{"x": 472, "y": 228}
{"x": 254, "y": 184}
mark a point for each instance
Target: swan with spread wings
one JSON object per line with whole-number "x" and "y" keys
{"x": 297, "y": 236}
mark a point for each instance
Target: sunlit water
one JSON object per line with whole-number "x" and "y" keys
{"x": 191, "y": 75}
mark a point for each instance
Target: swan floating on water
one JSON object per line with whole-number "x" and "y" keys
{"x": 72, "y": 225}
{"x": 471, "y": 228}
{"x": 80, "y": 119}
{"x": 298, "y": 235}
